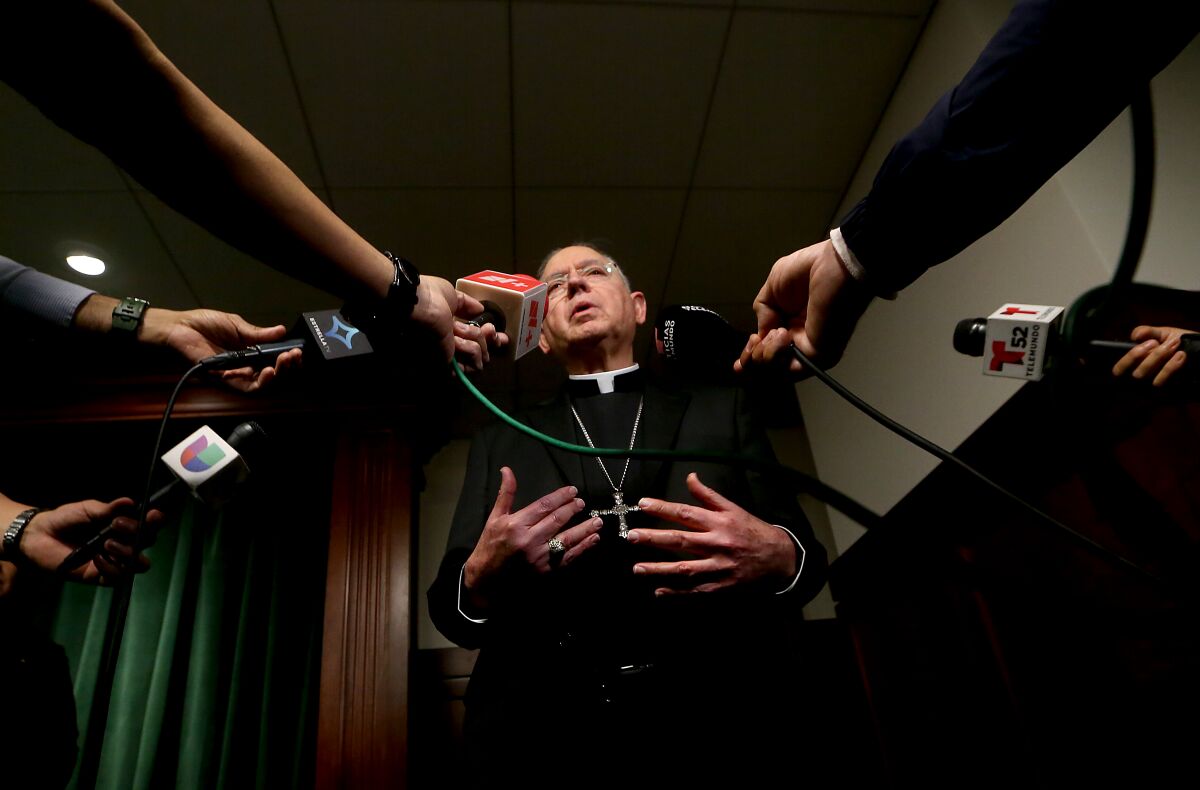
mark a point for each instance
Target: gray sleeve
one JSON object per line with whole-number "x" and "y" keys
{"x": 28, "y": 291}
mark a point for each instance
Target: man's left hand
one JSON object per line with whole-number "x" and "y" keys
{"x": 732, "y": 547}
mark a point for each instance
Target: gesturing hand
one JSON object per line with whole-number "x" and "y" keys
{"x": 521, "y": 538}
{"x": 731, "y": 546}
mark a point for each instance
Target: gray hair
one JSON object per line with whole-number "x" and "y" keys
{"x": 594, "y": 248}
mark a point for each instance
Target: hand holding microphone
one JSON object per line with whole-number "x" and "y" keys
{"x": 205, "y": 466}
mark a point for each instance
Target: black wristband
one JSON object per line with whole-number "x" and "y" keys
{"x": 127, "y": 316}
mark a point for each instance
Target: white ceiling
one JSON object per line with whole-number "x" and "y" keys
{"x": 699, "y": 140}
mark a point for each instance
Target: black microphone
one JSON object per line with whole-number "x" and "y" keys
{"x": 492, "y": 314}
{"x": 249, "y": 442}
{"x": 322, "y": 335}
{"x": 698, "y": 339}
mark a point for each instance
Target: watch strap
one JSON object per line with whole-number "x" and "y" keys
{"x": 127, "y": 315}
{"x": 12, "y": 535}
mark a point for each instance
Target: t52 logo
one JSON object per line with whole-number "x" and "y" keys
{"x": 1001, "y": 356}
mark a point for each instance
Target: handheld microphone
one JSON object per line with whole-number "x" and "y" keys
{"x": 698, "y": 338}
{"x": 206, "y": 466}
{"x": 1023, "y": 342}
{"x": 323, "y": 336}
{"x": 518, "y": 298}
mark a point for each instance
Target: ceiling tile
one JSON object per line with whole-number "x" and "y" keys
{"x": 227, "y": 279}
{"x": 731, "y": 238}
{"x": 446, "y": 232}
{"x": 404, "y": 94}
{"x": 39, "y": 156}
{"x": 232, "y": 51}
{"x": 611, "y": 95}
{"x": 897, "y": 7}
{"x": 39, "y": 230}
{"x": 636, "y": 227}
{"x": 799, "y": 96}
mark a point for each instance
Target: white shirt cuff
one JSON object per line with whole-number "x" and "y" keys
{"x": 463, "y": 570}
{"x": 800, "y": 554}
{"x": 849, "y": 262}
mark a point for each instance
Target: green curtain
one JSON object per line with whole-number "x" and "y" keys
{"x": 216, "y": 683}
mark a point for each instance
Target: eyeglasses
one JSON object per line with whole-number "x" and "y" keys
{"x": 597, "y": 271}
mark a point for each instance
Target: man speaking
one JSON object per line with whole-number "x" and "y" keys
{"x": 633, "y": 616}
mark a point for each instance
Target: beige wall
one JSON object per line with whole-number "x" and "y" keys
{"x": 1065, "y": 240}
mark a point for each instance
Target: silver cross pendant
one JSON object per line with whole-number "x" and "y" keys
{"x": 619, "y": 509}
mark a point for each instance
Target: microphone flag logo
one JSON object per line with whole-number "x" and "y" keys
{"x": 200, "y": 456}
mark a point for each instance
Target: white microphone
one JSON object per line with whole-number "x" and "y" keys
{"x": 1015, "y": 342}
{"x": 519, "y": 298}
{"x": 208, "y": 465}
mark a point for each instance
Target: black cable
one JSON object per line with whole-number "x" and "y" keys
{"x": 945, "y": 455}
{"x": 114, "y": 629}
{"x": 1142, "y": 116}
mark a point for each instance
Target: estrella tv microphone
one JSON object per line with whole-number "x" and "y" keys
{"x": 205, "y": 465}
{"x": 323, "y": 336}
{"x": 518, "y": 299}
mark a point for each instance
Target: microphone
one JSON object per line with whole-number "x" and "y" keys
{"x": 206, "y": 466}
{"x": 322, "y": 335}
{"x": 1016, "y": 341}
{"x": 698, "y": 338}
{"x": 1023, "y": 341}
{"x": 518, "y": 300}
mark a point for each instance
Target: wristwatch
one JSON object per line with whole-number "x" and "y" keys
{"x": 402, "y": 293}
{"x": 127, "y": 316}
{"x": 12, "y": 535}
{"x": 397, "y": 305}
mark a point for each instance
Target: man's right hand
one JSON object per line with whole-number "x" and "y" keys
{"x": 812, "y": 299}
{"x": 521, "y": 539}
{"x": 438, "y": 304}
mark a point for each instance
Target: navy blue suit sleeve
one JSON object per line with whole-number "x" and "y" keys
{"x": 1053, "y": 77}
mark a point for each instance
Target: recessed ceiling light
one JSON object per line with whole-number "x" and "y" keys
{"x": 86, "y": 264}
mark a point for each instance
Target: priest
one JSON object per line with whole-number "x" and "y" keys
{"x": 636, "y": 619}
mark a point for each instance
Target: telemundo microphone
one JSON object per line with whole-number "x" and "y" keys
{"x": 1024, "y": 341}
{"x": 206, "y": 467}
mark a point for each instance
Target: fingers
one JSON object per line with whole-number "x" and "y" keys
{"x": 579, "y": 539}
{"x": 691, "y": 516}
{"x": 256, "y": 334}
{"x": 1134, "y": 356}
{"x": 706, "y": 495}
{"x": 684, "y": 569}
{"x": 465, "y": 306}
{"x": 671, "y": 540}
{"x": 550, "y": 519}
{"x": 1172, "y": 365}
{"x": 508, "y": 491}
{"x": 1156, "y": 358}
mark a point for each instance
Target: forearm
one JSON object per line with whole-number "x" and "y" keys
{"x": 96, "y": 73}
{"x": 1053, "y": 77}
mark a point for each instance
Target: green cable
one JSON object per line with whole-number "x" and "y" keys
{"x": 806, "y": 483}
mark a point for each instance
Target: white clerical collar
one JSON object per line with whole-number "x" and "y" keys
{"x": 604, "y": 380}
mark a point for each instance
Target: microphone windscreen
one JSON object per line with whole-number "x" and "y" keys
{"x": 697, "y": 337}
